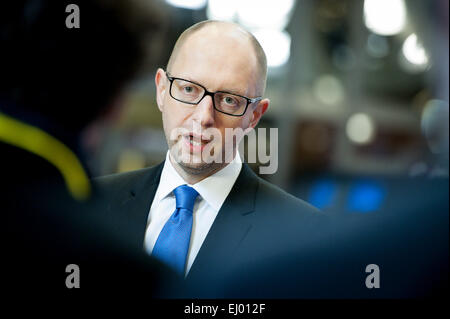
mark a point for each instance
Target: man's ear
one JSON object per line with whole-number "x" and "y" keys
{"x": 258, "y": 112}
{"x": 161, "y": 83}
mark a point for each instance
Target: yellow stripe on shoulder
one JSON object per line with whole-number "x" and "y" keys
{"x": 35, "y": 140}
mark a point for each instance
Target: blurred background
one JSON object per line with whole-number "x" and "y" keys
{"x": 359, "y": 93}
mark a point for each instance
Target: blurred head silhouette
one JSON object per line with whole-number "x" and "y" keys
{"x": 65, "y": 76}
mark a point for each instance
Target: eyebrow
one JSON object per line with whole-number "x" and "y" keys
{"x": 231, "y": 91}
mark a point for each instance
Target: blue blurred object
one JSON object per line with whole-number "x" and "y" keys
{"x": 365, "y": 196}
{"x": 323, "y": 193}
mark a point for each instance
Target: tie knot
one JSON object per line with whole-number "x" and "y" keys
{"x": 185, "y": 197}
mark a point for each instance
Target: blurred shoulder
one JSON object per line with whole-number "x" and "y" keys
{"x": 271, "y": 200}
{"x": 127, "y": 180}
{"x": 272, "y": 196}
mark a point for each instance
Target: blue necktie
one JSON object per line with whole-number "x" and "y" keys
{"x": 173, "y": 242}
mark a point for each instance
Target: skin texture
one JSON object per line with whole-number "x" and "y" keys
{"x": 219, "y": 57}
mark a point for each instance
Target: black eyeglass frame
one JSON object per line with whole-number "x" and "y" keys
{"x": 211, "y": 94}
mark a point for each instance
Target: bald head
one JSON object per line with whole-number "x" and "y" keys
{"x": 218, "y": 29}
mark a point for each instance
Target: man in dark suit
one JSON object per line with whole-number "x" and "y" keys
{"x": 203, "y": 211}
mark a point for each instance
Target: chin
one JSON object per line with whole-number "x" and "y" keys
{"x": 198, "y": 168}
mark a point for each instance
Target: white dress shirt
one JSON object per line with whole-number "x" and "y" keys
{"x": 212, "y": 191}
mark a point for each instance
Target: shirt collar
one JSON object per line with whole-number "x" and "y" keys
{"x": 214, "y": 189}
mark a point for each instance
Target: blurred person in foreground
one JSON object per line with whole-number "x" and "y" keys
{"x": 399, "y": 251}
{"x": 202, "y": 217}
{"x": 56, "y": 80}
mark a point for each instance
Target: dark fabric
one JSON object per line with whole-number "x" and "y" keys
{"x": 58, "y": 80}
{"x": 407, "y": 239}
{"x": 265, "y": 243}
{"x": 255, "y": 221}
{"x": 46, "y": 230}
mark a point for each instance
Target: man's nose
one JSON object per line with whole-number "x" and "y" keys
{"x": 204, "y": 112}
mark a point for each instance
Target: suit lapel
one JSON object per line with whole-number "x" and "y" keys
{"x": 231, "y": 226}
{"x": 138, "y": 202}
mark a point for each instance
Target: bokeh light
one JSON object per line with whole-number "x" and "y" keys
{"x": 385, "y": 17}
{"x": 187, "y": 4}
{"x": 360, "y": 128}
{"x": 276, "y": 44}
{"x": 414, "y": 57}
{"x": 329, "y": 90}
{"x": 265, "y": 13}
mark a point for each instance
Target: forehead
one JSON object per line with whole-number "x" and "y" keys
{"x": 219, "y": 58}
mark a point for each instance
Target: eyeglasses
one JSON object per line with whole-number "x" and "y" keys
{"x": 192, "y": 93}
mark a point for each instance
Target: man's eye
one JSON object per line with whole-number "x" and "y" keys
{"x": 188, "y": 89}
{"x": 229, "y": 100}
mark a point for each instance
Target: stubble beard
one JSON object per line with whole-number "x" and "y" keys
{"x": 190, "y": 167}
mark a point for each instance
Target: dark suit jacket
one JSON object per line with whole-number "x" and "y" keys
{"x": 256, "y": 221}
{"x": 265, "y": 243}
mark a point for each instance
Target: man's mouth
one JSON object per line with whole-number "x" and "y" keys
{"x": 197, "y": 140}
